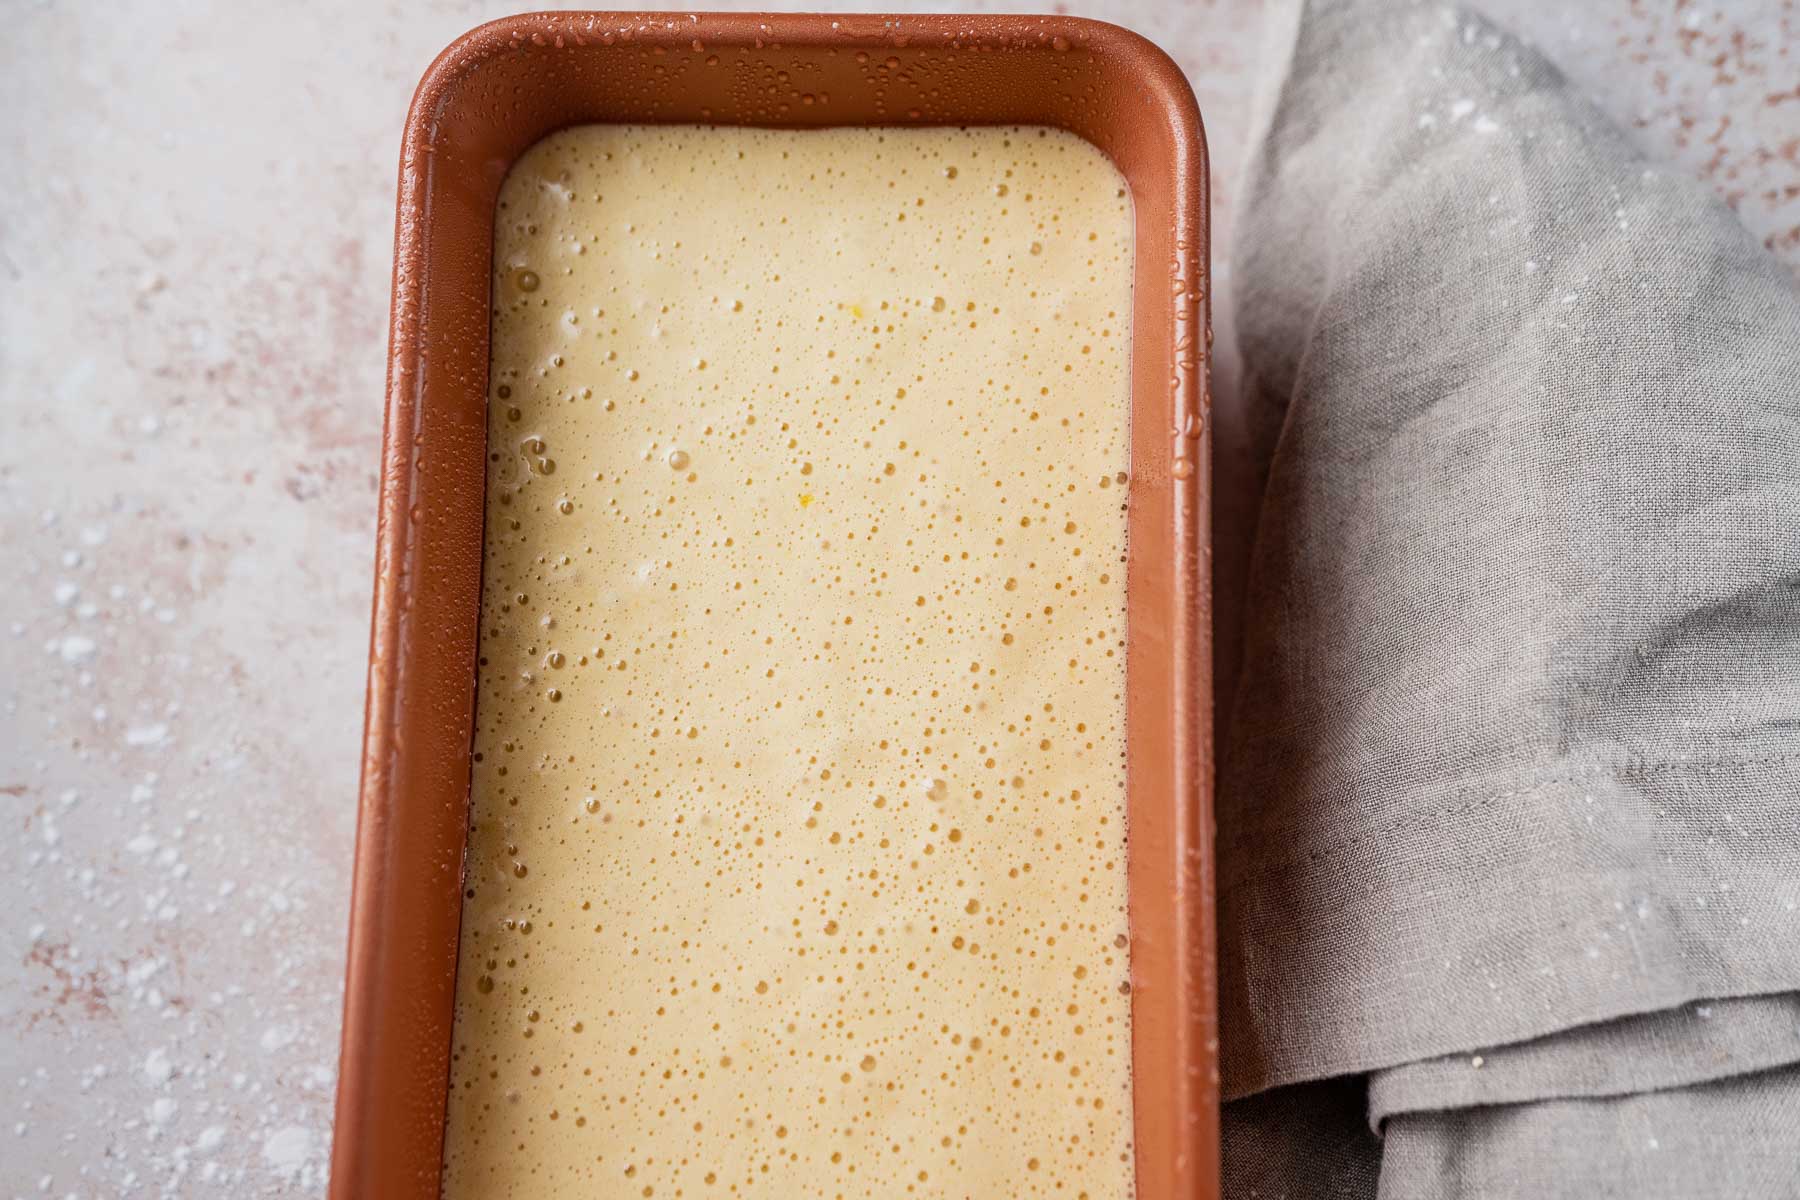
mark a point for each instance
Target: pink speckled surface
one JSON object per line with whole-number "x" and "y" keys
{"x": 192, "y": 328}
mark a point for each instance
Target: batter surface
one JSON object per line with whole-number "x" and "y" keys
{"x": 797, "y": 853}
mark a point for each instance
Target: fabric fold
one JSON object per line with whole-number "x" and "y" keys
{"x": 1697, "y": 1043}
{"x": 1731, "y": 1139}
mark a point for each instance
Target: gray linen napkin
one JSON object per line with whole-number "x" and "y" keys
{"x": 1513, "y": 769}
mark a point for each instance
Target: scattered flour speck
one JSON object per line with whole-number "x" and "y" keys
{"x": 157, "y": 1067}
{"x": 286, "y": 1150}
{"x": 76, "y": 648}
{"x": 146, "y": 735}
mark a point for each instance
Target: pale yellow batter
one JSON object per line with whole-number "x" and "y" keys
{"x": 797, "y": 860}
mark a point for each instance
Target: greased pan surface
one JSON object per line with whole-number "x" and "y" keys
{"x": 489, "y": 97}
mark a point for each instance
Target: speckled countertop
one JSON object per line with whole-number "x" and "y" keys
{"x": 194, "y": 257}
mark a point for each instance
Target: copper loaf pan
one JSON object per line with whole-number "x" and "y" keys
{"x": 488, "y": 98}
